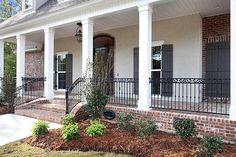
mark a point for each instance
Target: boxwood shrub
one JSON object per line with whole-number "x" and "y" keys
{"x": 40, "y": 128}
{"x": 185, "y": 128}
{"x": 95, "y": 128}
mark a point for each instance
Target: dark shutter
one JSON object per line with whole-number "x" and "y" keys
{"x": 55, "y": 72}
{"x": 167, "y": 70}
{"x": 69, "y": 70}
{"x": 136, "y": 69}
{"x": 217, "y": 69}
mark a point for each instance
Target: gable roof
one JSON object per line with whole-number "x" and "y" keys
{"x": 49, "y": 7}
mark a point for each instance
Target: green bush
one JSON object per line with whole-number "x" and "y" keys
{"x": 185, "y": 128}
{"x": 212, "y": 144}
{"x": 1, "y": 100}
{"x": 9, "y": 88}
{"x": 125, "y": 122}
{"x": 144, "y": 128}
{"x": 40, "y": 128}
{"x": 70, "y": 132}
{"x": 68, "y": 119}
{"x": 95, "y": 128}
{"x": 96, "y": 101}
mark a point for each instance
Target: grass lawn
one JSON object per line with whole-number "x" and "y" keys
{"x": 17, "y": 149}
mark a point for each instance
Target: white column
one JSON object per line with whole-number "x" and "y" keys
{"x": 48, "y": 62}
{"x": 145, "y": 43}
{"x": 232, "y": 60}
{"x": 20, "y": 59}
{"x": 87, "y": 43}
{"x": 1, "y": 62}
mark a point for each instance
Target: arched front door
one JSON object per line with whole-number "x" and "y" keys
{"x": 104, "y": 56}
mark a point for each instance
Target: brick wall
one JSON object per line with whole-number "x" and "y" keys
{"x": 34, "y": 64}
{"x": 205, "y": 124}
{"x": 214, "y": 29}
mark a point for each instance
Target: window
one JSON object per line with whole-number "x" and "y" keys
{"x": 61, "y": 71}
{"x": 28, "y": 4}
{"x": 156, "y": 67}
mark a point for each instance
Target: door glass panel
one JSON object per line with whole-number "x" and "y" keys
{"x": 156, "y": 87}
{"x": 62, "y": 81}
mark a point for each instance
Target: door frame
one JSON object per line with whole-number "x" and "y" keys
{"x": 57, "y": 81}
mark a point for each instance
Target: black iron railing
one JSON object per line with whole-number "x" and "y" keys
{"x": 32, "y": 88}
{"x": 74, "y": 94}
{"x": 122, "y": 91}
{"x": 191, "y": 94}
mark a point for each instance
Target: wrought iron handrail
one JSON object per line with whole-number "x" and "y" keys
{"x": 74, "y": 94}
{"x": 31, "y": 89}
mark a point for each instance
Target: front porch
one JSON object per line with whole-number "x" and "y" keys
{"x": 169, "y": 62}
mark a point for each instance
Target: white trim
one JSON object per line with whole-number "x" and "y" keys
{"x": 62, "y": 53}
{"x": 158, "y": 43}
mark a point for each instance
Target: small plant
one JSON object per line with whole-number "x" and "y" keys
{"x": 212, "y": 144}
{"x": 40, "y": 128}
{"x": 68, "y": 119}
{"x": 95, "y": 128}
{"x": 185, "y": 128}
{"x": 125, "y": 122}
{"x": 70, "y": 132}
{"x": 144, "y": 128}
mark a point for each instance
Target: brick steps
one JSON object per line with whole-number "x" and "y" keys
{"x": 50, "y": 116}
{"x": 51, "y": 111}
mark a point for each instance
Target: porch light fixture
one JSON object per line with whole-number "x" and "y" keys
{"x": 78, "y": 33}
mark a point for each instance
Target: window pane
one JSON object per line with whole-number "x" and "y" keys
{"x": 156, "y": 57}
{"x": 62, "y": 67}
{"x": 62, "y": 59}
{"x": 156, "y": 85}
{"x": 28, "y": 4}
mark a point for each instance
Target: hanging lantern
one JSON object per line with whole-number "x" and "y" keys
{"x": 78, "y": 34}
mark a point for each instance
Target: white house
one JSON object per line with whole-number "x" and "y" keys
{"x": 167, "y": 54}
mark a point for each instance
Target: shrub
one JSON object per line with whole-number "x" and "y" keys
{"x": 40, "y": 128}
{"x": 68, "y": 119}
{"x": 125, "y": 122}
{"x": 96, "y": 101}
{"x": 185, "y": 128}
{"x": 95, "y": 128}
{"x": 144, "y": 128}
{"x": 1, "y": 100}
{"x": 212, "y": 144}
{"x": 70, "y": 132}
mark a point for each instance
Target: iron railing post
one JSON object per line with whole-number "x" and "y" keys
{"x": 67, "y": 102}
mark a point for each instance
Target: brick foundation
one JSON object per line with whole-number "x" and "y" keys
{"x": 205, "y": 124}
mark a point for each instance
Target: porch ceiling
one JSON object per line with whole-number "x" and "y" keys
{"x": 165, "y": 10}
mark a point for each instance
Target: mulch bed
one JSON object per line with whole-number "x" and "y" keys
{"x": 160, "y": 144}
{"x": 4, "y": 109}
